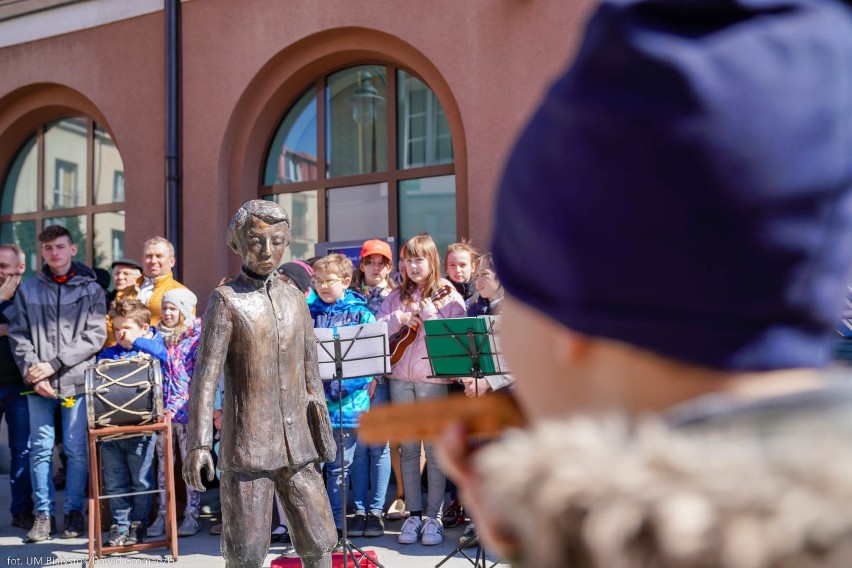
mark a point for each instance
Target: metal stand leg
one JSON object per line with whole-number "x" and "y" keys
{"x": 94, "y": 501}
{"x": 344, "y": 543}
{"x": 478, "y": 560}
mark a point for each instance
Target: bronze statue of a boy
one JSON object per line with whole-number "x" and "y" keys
{"x": 275, "y": 428}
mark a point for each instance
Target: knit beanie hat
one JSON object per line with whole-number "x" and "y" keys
{"x": 686, "y": 186}
{"x": 299, "y": 272}
{"x": 184, "y": 300}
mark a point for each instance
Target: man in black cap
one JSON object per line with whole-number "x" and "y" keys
{"x": 127, "y": 277}
{"x": 684, "y": 196}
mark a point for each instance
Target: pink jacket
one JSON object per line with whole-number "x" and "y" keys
{"x": 413, "y": 366}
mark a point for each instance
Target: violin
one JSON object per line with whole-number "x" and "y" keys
{"x": 483, "y": 417}
{"x": 402, "y": 339}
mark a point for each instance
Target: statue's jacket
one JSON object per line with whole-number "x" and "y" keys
{"x": 260, "y": 332}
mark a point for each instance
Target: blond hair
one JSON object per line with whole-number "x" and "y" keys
{"x": 420, "y": 246}
{"x": 336, "y": 264}
{"x": 19, "y": 252}
{"x": 134, "y": 310}
{"x": 158, "y": 240}
{"x": 462, "y": 246}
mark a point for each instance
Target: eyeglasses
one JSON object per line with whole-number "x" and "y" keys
{"x": 327, "y": 282}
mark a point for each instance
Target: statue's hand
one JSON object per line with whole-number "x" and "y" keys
{"x": 196, "y": 460}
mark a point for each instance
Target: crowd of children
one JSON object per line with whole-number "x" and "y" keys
{"x": 150, "y": 314}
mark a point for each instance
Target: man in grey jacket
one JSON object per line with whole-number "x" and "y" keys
{"x": 57, "y": 325}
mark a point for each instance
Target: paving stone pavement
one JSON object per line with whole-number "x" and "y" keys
{"x": 202, "y": 549}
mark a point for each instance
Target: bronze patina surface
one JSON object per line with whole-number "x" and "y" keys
{"x": 275, "y": 427}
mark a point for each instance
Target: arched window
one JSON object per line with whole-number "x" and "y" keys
{"x": 364, "y": 152}
{"x": 68, "y": 173}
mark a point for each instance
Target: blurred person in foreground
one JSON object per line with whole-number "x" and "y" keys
{"x": 684, "y": 194}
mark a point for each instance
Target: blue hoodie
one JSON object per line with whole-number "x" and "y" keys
{"x": 149, "y": 344}
{"x": 354, "y": 393}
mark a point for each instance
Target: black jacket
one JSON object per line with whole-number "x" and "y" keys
{"x": 9, "y": 373}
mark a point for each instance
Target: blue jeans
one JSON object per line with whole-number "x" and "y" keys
{"x": 74, "y": 438}
{"x": 128, "y": 469}
{"x": 337, "y": 470}
{"x": 371, "y": 466}
{"x": 17, "y": 412}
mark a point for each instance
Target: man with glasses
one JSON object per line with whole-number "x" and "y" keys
{"x": 126, "y": 276}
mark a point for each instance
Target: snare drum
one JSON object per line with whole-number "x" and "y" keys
{"x": 124, "y": 392}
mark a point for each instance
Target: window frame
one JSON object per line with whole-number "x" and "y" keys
{"x": 392, "y": 176}
{"x": 89, "y": 210}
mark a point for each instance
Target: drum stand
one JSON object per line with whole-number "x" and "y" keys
{"x": 96, "y": 546}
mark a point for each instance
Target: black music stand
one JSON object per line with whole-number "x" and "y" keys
{"x": 469, "y": 347}
{"x": 370, "y": 357}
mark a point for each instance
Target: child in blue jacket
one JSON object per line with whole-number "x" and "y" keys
{"x": 127, "y": 462}
{"x": 336, "y": 306}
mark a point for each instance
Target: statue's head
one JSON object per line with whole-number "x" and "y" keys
{"x": 259, "y": 233}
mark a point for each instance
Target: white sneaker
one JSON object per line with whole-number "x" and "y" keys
{"x": 410, "y": 532}
{"x": 433, "y": 532}
{"x": 158, "y": 527}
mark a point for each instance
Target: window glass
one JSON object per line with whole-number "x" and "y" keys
{"x": 356, "y": 111}
{"x": 20, "y": 189}
{"x": 23, "y": 234}
{"x": 109, "y": 169}
{"x": 423, "y": 133}
{"x": 357, "y": 212}
{"x": 108, "y": 238}
{"x": 293, "y": 153}
{"x": 304, "y": 217}
{"x": 417, "y": 181}
{"x": 65, "y": 159}
{"x": 76, "y": 225}
{"x": 428, "y": 205}
{"x": 118, "y": 187}
{"x": 67, "y": 148}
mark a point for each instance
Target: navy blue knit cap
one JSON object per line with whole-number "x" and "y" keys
{"x": 686, "y": 186}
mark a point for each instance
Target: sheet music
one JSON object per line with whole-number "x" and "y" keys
{"x": 365, "y": 356}
{"x": 493, "y": 323}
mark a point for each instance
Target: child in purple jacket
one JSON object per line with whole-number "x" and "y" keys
{"x": 181, "y": 331}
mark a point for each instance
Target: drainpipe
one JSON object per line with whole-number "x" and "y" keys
{"x": 173, "y": 128}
